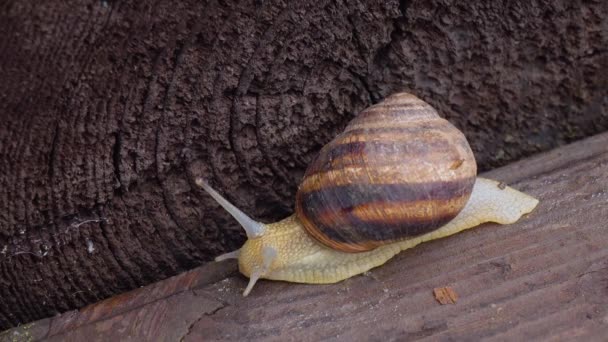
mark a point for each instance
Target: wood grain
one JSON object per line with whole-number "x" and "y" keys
{"x": 545, "y": 277}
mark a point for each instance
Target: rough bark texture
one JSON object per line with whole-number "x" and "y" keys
{"x": 543, "y": 278}
{"x": 108, "y": 110}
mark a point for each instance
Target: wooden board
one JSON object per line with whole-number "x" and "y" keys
{"x": 543, "y": 277}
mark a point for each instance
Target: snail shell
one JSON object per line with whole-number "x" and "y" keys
{"x": 397, "y": 171}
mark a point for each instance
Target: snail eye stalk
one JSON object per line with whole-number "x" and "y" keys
{"x": 253, "y": 228}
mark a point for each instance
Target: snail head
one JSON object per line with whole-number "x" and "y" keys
{"x": 257, "y": 255}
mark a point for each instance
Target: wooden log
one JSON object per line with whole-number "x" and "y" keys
{"x": 543, "y": 277}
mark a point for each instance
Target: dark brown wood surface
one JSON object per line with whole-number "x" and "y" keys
{"x": 545, "y": 277}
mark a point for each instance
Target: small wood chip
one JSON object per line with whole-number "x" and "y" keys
{"x": 502, "y": 185}
{"x": 456, "y": 164}
{"x": 445, "y": 295}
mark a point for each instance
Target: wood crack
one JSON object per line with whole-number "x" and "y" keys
{"x": 116, "y": 160}
{"x": 204, "y": 314}
{"x": 403, "y": 7}
{"x": 244, "y": 82}
{"x": 166, "y": 102}
{"x": 53, "y": 153}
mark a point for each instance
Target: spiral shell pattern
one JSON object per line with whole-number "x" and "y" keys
{"x": 397, "y": 171}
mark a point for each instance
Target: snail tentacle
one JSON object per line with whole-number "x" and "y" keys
{"x": 254, "y": 229}
{"x": 269, "y": 255}
{"x": 230, "y": 255}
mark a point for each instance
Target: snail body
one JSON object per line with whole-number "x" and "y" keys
{"x": 399, "y": 175}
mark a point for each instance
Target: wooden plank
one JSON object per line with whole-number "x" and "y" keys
{"x": 128, "y": 312}
{"x": 551, "y": 161}
{"x": 543, "y": 277}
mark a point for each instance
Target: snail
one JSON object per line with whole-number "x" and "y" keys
{"x": 398, "y": 175}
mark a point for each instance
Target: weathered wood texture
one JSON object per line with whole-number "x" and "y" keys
{"x": 545, "y": 277}
{"x": 108, "y": 109}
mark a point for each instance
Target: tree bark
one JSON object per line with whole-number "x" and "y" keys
{"x": 109, "y": 110}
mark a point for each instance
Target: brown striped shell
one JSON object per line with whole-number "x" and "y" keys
{"x": 397, "y": 171}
